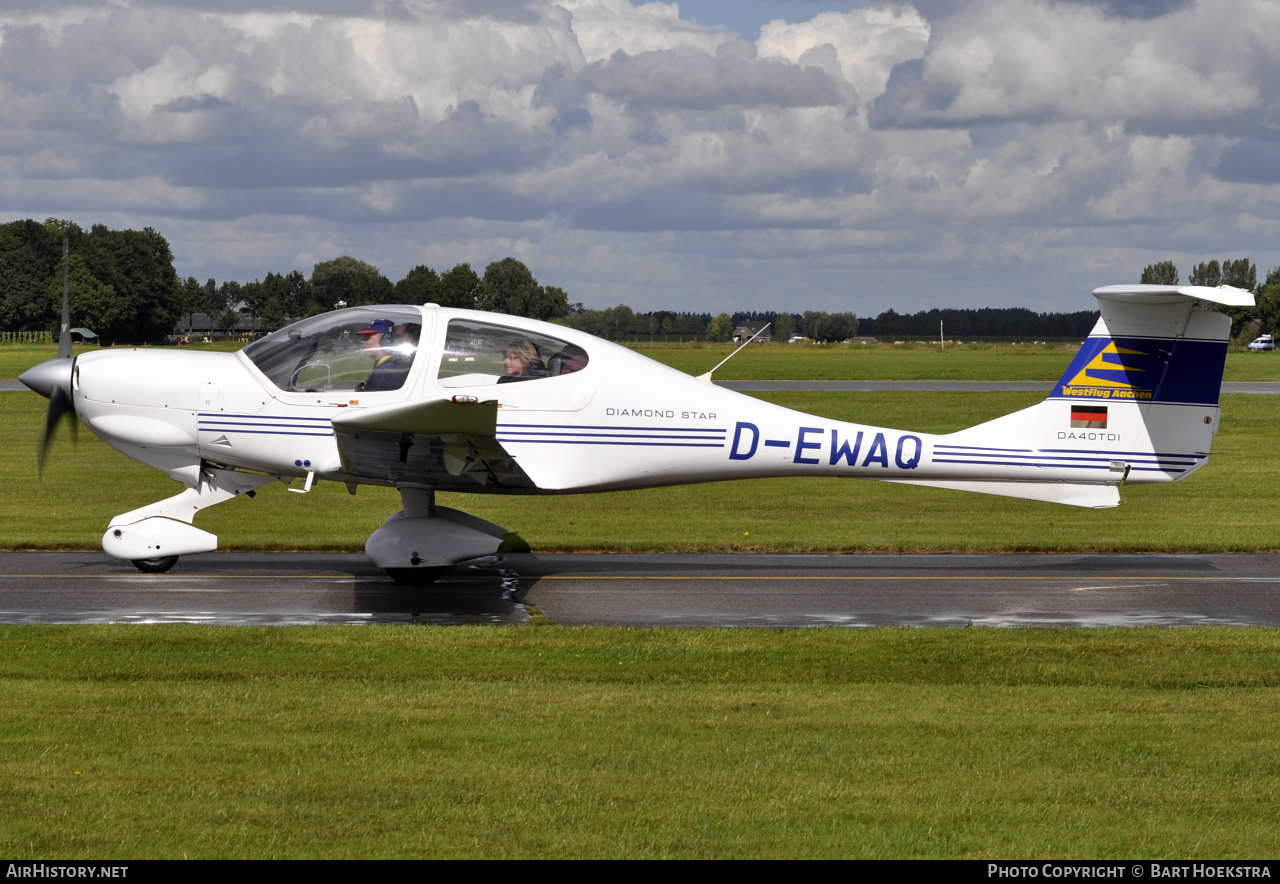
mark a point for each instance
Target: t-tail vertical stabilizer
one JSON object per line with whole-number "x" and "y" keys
{"x": 1138, "y": 404}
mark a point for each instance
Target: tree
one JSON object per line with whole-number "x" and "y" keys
{"x": 840, "y": 327}
{"x": 138, "y": 266}
{"x": 94, "y": 304}
{"x": 272, "y": 313}
{"x": 612, "y": 324}
{"x": 509, "y": 287}
{"x": 553, "y": 304}
{"x": 720, "y": 329}
{"x": 421, "y": 285}
{"x": 212, "y": 301}
{"x": 230, "y": 293}
{"x": 349, "y": 281}
{"x": 1269, "y": 300}
{"x": 829, "y": 326}
{"x": 1160, "y": 273}
{"x": 191, "y": 295}
{"x": 1240, "y": 273}
{"x": 298, "y": 297}
{"x": 459, "y": 287}
{"x": 284, "y": 298}
{"x": 784, "y": 327}
{"x": 271, "y": 307}
{"x": 30, "y": 254}
{"x": 253, "y": 297}
{"x": 812, "y": 322}
{"x": 1206, "y": 273}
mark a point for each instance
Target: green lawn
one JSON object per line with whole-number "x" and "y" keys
{"x": 331, "y": 742}
{"x": 910, "y": 362}
{"x": 1226, "y": 506}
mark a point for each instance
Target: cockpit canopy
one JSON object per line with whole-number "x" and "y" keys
{"x": 478, "y": 353}
{"x": 357, "y": 349}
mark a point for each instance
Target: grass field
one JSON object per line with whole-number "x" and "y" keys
{"x": 1004, "y": 362}
{"x": 1227, "y": 506}
{"x": 330, "y": 742}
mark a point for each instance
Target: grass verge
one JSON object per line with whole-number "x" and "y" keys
{"x": 842, "y": 362}
{"x": 329, "y": 742}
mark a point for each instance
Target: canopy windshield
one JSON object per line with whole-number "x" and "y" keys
{"x": 361, "y": 348}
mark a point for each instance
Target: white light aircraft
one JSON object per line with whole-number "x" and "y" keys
{"x": 430, "y": 398}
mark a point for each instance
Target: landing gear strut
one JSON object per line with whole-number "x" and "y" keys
{"x": 154, "y": 536}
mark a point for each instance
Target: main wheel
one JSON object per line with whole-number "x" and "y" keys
{"x": 155, "y": 566}
{"x": 416, "y": 576}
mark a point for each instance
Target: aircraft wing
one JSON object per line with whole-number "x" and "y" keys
{"x": 446, "y": 444}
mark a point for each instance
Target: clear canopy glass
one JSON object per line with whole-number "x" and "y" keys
{"x": 359, "y": 349}
{"x": 477, "y": 353}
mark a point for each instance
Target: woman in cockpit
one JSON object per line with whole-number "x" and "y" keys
{"x": 521, "y": 362}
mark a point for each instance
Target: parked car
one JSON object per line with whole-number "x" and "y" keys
{"x": 1265, "y": 342}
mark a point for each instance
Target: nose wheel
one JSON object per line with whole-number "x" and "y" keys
{"x": 155, "y": 566}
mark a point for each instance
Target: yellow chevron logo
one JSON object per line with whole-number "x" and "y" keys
{"x": 1107, "y": 368}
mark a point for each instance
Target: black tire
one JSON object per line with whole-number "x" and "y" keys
{"x": 416, "y": 576}
{"x": 155, "y": 566}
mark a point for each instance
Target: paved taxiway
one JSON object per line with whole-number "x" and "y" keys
{"x": 656, "y": 590}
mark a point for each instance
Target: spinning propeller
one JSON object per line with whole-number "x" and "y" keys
{"x": 52, "y": 379}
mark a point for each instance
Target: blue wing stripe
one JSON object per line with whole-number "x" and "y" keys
{"x": 264, "y": 432}
{"x": 1060, "y": 466}
{"x": 614, "y": 442}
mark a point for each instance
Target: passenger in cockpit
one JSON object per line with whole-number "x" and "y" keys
{"x": 521, "y": 362}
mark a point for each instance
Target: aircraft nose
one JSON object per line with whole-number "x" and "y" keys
{"x": 49, "y": 376}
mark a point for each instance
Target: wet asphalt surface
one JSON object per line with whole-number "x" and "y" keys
{"x": 720, "y": 590}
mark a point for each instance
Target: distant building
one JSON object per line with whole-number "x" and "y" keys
{"x": 744, "y": 330}
{"x": 202, "y": 326}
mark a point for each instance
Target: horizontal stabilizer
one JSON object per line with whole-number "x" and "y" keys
{"x": 1091, "y": 496}
{"x": 1171, "y": 294}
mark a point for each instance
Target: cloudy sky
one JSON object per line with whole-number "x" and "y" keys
{"x": 706, "y": 155}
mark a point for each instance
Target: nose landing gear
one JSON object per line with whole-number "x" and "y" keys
{"x": 155, "y": 566}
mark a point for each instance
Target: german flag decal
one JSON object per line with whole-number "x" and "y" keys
{"x": 1089, "y": 417}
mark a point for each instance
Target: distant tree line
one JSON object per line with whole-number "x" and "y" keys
{"x": 124, "y": 287}
{"x": 506, "y": 287}
{"x": 621, "y": 322}
{"x": 989, "y": 322}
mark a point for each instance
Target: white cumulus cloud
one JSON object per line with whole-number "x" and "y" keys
{"x": 891, "y": 154}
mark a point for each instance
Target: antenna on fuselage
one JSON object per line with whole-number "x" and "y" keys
{"x": 707, "y": 377}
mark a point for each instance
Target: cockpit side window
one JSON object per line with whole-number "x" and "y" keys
{"x": 478, "y": 353}
{"x": 368, "y": 349}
